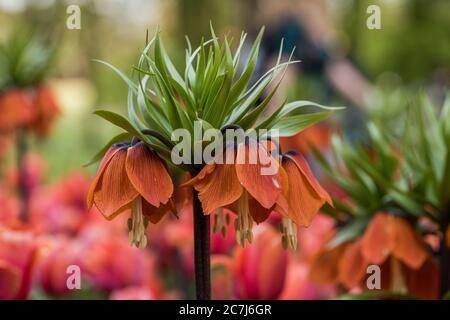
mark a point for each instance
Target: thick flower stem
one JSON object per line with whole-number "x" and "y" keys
{"x": 444, "y": 254}
{"x": 24, "y": 195}
{"x": 201, "y": 251}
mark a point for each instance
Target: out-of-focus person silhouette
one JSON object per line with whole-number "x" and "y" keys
{"x": 307, "y": 26}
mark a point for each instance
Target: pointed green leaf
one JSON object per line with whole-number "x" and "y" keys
{"x": 127, "y": 80}
{"x": 122, "y": 137}
{"x": 292, "y": 125}
{"x": 117, "y": 120}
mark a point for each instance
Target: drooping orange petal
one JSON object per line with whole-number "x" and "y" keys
{"x": 207, "y": 169}
{"x": 303, "y": 166}
{"x": 183, "y": 196}
{"x": 219, "y": 188}
{"x": 386, "y": 276}
{"x": 155, "y": 214}
{"x": 46, "y": 109}
{"x": 114, "y": 192}
{"x": 16, "y": 107}
{"x": 424, "y": 283}
{"x": 409, "y": 247}
{"x": 352, "y": 266}
{"x": 263, "y": 185}
{"x": 282, "y": 205}
{"x": 324, "y": 265}
{"x": 378, "y": 240}
{"x": 303, "y": 200}
{"x": 105, "y": 161}
{"x": 148, "y": 175}
{"x": 257, "y": 211}
{"x": 233, "y": 207}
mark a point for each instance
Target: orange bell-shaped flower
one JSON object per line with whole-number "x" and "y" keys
{"x": 131, "y": 176}
{"x": 260, "y": 269}
{"x": 241, "y": 186}
{"x": 304, "y": 194}
{"x": 45, "y": 110}
{"x": 16, "y": 109}
{"x": 391, "y": 235}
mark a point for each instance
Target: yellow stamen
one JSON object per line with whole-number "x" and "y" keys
{"x": 289, "y": 234}
{"x": 219, "y": 223}
{"x": 244, "y": 221}
{"x": 398, "y": 282}
{"x": 137, "y": 225}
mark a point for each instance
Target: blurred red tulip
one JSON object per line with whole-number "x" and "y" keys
{"x": 313, "y": 238}
{"x": 60, "y": 208}
{"x": 9, "y": 280}
{"x": 72, "y": 189}
{"x": 175, "y": 239}
{"x": 298, "y": 286}
{"x": 33, "y": 171}
{"x": 6, "y": 141}
{"x": 133, "y": 293}
{"x": 10, "y": 207}
{"x": 96, "y": 227}
{"x": 260, "y": 269}
{"x": 222, "y": 277}
{"x": 223, "y": 243}
{"x": 53, "y": 269}
{"x": 18, "y": 258}
{"x": 111, "y": 263}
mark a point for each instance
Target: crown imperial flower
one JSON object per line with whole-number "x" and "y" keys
{"x": 214, "y": 91}
{"x": 132, "y": 177}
